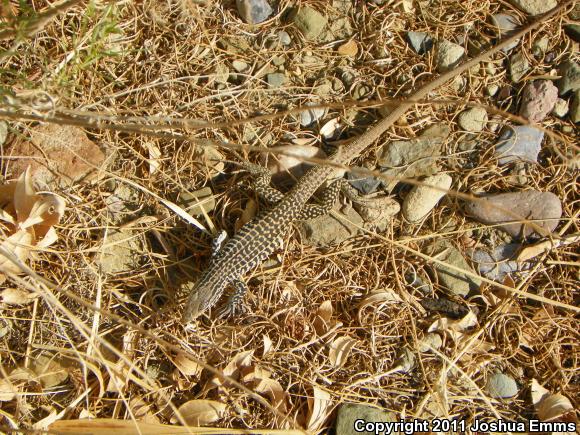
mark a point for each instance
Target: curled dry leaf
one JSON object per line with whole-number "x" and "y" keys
{"x": 267, "y": 344}
{"x": 340, "y": 349}
{"x": 7, "y": 390}
{"x": 50, "y": 370}
{"x": 28, "y": 219}
{"x": 187, "y": 366}
{"x": 455, "y": 327}
{"x": 551, "y": 407}
{"x": 322, "y": 321}
{"x": 199, "y": 412}
{"x": 319, "y": 408}
{"x": 14, "y": 296}
{"x": 237, "y": 363}
{"x": 154, "y": 155}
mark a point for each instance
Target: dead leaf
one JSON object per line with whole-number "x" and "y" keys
{"x": 200, "y": 412}
{"x": 322, "y": 321}
{"x": 154, "y": 155}
{"x": 267, "y": 344}
{"x": 49, "y": 369}
{"x": 250, "y": 210}
{"x": 340, "y": 350}
{"x": 550, "y": 407}
{"x": 187, "y": 366}
{"x": 14, "y": 296}
{"x": 232, "y": 370}
{"x": 7, "y": 390}
{"x": 330, "y": 128}
{"x": 319, "y": 408}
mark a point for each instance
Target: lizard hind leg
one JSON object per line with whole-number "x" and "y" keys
{"x": 233, "y": 305}
{"x": 329, "y": 198}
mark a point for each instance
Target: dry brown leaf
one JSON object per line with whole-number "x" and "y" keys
{"x": 379, "y": 297}
{"x": 7, "y": 390}
{"x": 250, "y": 210}
{"x": 549, "y": 407}
{"x": 319, "y": 408}
{"x": 340, "y": 349}
{"x": 267, "y": 344}
{"x": 50, "y": 370}
{"x": 154, "y": 155}
{"x": 199, "y": 412}
{"x": 322, "y": 321}
{"x": 18, "y": 245}
{"x": 232, "y": 370}
{"x": 254, "y": 374}
{"x": 187, "y": 366}
{"x": 14, "y": 296}
{"x": 142, "y": 410}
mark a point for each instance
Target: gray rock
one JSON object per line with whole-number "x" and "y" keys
{"x": 575, "y": 107}
{"x": 284, "y": 38}
{"x": 518, "y": 67}
{"x": 310, "y": 116}
{"x": 570, "y": 77}
{"x": 377, "y": 212}
{"x": 276, "y": 80}
{"x": 420, "y": 41}
{"x": 538, "y": 100}
{"x": 328, "y": 230}
{"x": 348, "y": 413}
{"x": 573, "y": 31}
{"x": 123, "y": 203}
{"x": 196, "y": 202}
{"x": 560, "y": 108}
{"x": 500, "y": 386}
{"x": 430, "y": 341}
{"x": 519, "y": 143}
{"x": 473, "y": 119}
{"x": 508, "y": 209}
{"x": 422, "y": 199}
{"x": 364, "y": 185}
{"x": 506, "y": 25}
{"x": 540, "y": 46}
{"x": 448, "y": 55}
{"x": 497, "y": 264}
{"x": 240, "y": 65}
{"x": 310, "y": 22}
{"x": 412, "y": 158}
{"x": 535, "y": 7}
{"x": 254, "y": 11}
{"x": 492, "y": 89}
{"x": 121, "y": 253}
{"x": 457, "y": 282}
{"x": 3, "y": 132}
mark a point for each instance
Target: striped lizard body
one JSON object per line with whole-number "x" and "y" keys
{"x": 261, "y": 237}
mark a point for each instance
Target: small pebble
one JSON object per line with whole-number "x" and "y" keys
{"x": 492, "y": 89}
{"x": 310, "y": 22}
{"x": 420, "y": 41}
{"x": 560, "y": 108}
{"x": 310, "y": 116}
{"x": 275, "y": 80}
{"x": 540, "y": 46}
{"x": 570, "y": 77}
{"x": 254, "y": 11}
{"x": 365, "y": 185}
{"x": 473, "y": 119}
{"x": 239, "y": 65}
{"x": 505, "y": 24}
{"x": 349, "y": 48}
{"x": 422, "y": 199}
{"x": 519, "y": 143}
{"x": 575, "y": 107}
{"x": 543, "y": 208}
{"x": 538, "y": 100}
{"x": 500, "y": 386}
{"x": 284, "y": 38}
{"x": 448, "y": 55}
{"x": 535, "y": 7}
{"x": 518, "y": 67}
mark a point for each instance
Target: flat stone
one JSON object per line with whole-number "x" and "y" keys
{"x": 535, "y": 7}
{"x": 518, "y": 66}
{"x": 498, "y": 263}
{"x": 57, "y": 154}
{"x": 365, "y": 185}
{"x": 310, "y": 116}
{"x": 240, "y": 65}
{"x": 500, "y": 386}
{"x": 506, "y": 25}
{"x": 575, "y": 107}
{"x": 254, "y": 11}
{"x": 538, "y": 100}
{"x": 420, "y": 41}
{"x": 121, "y": 253}
{"x": 540, "y": 46}
{"x": 348, "y": 413}
{"x": 196, "y": 202}
{"x": 310, "y": 22}
{"x": 422, "y": 199}
{"x": 328, "y": 230}
{"x": 570, "y": 77}
{"x": 123, "y": 203}
{"x": 560, "y": 108}
{"x": 276, "y": 80}
{"x": 448, "y": 55}
{"x": 457, "y": 282}
{"x": 507, "y": 209}
{"x": 410, "y": 158}
{"x": 519, "y": 143}
{"x": 377, "y": 212}
{"x": 473, "y": 119}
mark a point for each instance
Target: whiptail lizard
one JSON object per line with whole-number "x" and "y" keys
{"x": 262, "y": 236}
